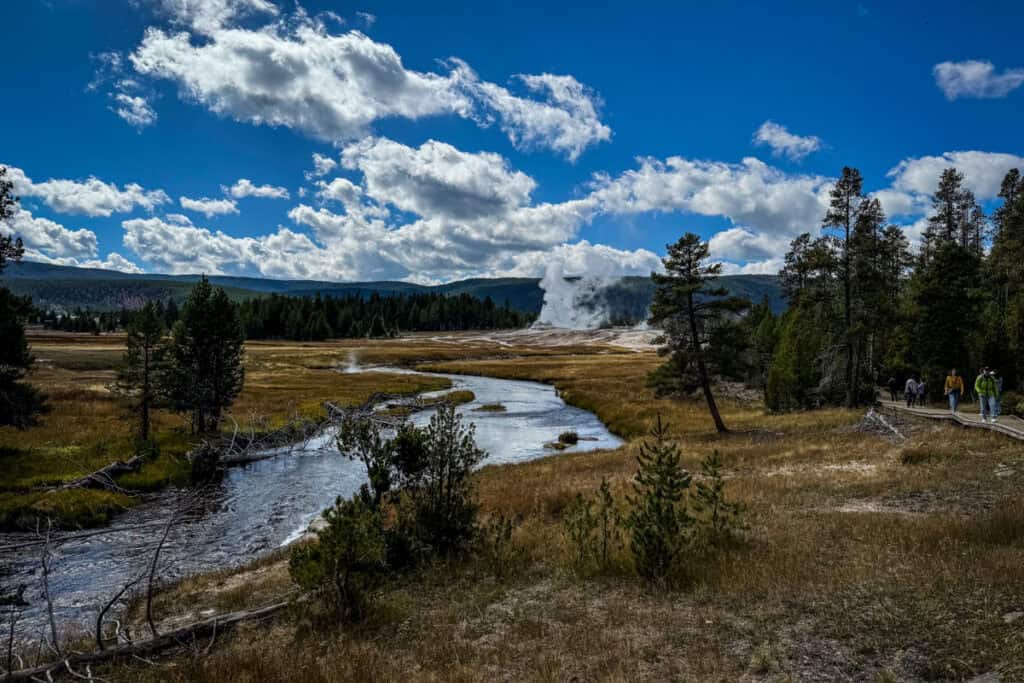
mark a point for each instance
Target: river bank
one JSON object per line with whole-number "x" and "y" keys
{"x": 863, "y": 559}
{"x": 269, "y": 500}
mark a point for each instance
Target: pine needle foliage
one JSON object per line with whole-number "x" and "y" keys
{"x": 659, "y": 521}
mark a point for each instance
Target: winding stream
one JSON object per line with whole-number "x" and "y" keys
{"x": 263, "y": 505}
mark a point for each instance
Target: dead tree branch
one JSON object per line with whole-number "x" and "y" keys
{"x": 157, "y": 644}
{"x": 106, "y": 608}
{"x": 45, "y": 561}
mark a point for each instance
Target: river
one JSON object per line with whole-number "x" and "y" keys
{"x": 263, "y": 505}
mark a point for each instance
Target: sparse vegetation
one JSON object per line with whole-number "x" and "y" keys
{"x": 492, "y": 408}
{"x": 805, "y": 595}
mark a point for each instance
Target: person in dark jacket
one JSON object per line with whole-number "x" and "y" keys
{"x": 893, "y": 387}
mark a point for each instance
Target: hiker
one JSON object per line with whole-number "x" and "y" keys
{"x": 984, "y": 387}
{"x": 921, "y": 391}
{"x": 893, "y": 386}
{"x": 954, "y": 389}
{"x": 910, "y": 391}
{"x": 996, "y": 399}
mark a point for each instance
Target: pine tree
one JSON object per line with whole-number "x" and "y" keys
{"x": 204, "y": 372}
{"x": 945, "y": 307}
{"x": 659, "y": 520}
{"x": 21, "y": 404}
{"x": 689, "y": 309}
{"x": 1006, "y": 279}
{"x": 846, "y": 201}
{"x": 143, "y": 360}
{"x": 944, "y": 223}
{"x": 11, "y": 247}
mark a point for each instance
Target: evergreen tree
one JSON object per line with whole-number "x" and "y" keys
{"x": 659, "y": 520}
{"x": 1005, "y": 314}
{"x": 945, "y": 308}
{"x": 11, "y": 247}
{"x": 846, "y": 202}
{"x": 142, "y": 364}
{"x": 690, "y": 309}
{"x": 809, "y": 270}
{"x": 21, "y": 404}
{"x": 204, "y": 371}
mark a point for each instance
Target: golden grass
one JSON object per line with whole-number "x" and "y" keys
{"x": 88, "y": 428}
{"x": 863, "y": 559}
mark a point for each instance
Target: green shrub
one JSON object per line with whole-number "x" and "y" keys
{"x": 436, "y": 477}
{"x": 580, "y": 523}
{"x": 346, "y": 562}
{"x": 496, "y": 546}
{"x": 718, "y": 519}
{"x": 659, "y": 521}
{"x": 594, "y": 529}
{"x": 425, "y": 475}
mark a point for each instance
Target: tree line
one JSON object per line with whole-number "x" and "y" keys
{"x": 862, "y": 306}
{"x": 355, "y": 316}
{"x": 304, "y": 318}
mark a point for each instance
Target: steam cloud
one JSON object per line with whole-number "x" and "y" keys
{"x": 573, "y": 302}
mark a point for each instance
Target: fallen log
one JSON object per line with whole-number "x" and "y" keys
{"x": 103, "y": 478}
{"x": 166, "y": 641}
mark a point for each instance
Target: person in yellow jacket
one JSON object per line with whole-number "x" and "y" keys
{"x": 954, "y": 389}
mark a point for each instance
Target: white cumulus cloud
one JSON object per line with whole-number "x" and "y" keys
{"x": 983, "y": 171}
{"x": 47, "y": 238}
{"x": 295, "y": 73}
{"x": 206, "y": 16}
{"x": 134, "y": 110}
{"x": 245, "y": 188}
{"x": 322, "y": 165}
{"x": 209, "y": 207}
{"x": 567, "y": 121}
{"x": 89, "y": 197}
{"x": 438, "y": 180}
{"x": 975, "y": 78}
{"x": 784, "y": 143}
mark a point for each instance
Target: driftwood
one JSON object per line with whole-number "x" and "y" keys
{"x": 171, "y": 639}
{"x": 103, "y": 478}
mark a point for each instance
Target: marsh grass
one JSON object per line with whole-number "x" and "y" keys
{"x": 862, "y": 560}
{"x": 88, "y": 428}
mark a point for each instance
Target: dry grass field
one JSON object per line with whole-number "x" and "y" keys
{"x": 863, "y": 558}
{"x": 88, "y": 428}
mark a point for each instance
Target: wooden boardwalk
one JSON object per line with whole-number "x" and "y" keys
{"x": 967, "y": 416}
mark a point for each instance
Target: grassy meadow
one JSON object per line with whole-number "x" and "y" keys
{"x": 88, "y": 427}
{"x": 863, "y": 559}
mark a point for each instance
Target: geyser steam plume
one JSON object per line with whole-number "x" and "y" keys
{"x": 574, "y": 301}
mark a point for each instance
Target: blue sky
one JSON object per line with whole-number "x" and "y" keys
{"x": 494, "y": 139}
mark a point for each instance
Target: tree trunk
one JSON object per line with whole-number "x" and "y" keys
{"x": 705, "y": 383}
{"x": 702, "y": 369}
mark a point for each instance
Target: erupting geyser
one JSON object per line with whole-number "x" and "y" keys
{"x": 574, "y": 302}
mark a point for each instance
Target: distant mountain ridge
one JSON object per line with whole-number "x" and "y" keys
{"x": 68, "y": 287}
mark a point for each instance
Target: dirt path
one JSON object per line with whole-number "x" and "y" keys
{"x": 967, "y": 416}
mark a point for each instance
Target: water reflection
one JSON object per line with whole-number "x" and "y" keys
{"x": 263, "y": 505}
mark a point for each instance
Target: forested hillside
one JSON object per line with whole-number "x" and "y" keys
{"x": 66, "y": 288}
